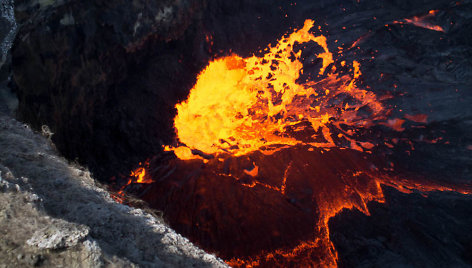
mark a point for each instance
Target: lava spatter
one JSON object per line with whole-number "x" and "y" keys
{"x": 422, "y": 21}
{"x": 240, "y": 105}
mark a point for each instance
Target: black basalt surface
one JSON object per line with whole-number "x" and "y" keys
{"x": 409, "y": 230}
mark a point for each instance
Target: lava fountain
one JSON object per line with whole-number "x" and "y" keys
{"x": 240, "y": 105}
{"x": 267, "y": 150}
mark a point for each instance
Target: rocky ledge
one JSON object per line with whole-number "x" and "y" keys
{"x": 53, "y": 214}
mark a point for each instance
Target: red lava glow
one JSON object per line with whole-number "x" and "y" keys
{"x": 264, "y": 160}
{"x": 422, "y": 21}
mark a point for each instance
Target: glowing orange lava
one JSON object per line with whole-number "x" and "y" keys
{"x": 240, "y": 105}
{"x": 422, "y": 21}
{"x": 138, "y": 176}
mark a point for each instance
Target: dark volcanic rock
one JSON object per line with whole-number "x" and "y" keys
{"x": 406, "y": 231}
{"x": 7, "y": 33}
{"x": 100, "y": 74}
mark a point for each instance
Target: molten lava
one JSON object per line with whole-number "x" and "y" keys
{"x": 240, "y": 105}
{"x": 422, "y": 21}
{"x": 137, "y": 176}
{"x": 281, "y": 156}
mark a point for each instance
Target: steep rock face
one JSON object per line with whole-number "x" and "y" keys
{"x": 87, "y": 70}
{"x": 7, "y": 33}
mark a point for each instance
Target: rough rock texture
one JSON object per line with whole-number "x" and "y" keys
{"x": 53, "y": 214}
{"x": 60, "y": 234}
{"x": 21, "y": 214}
{"x": 7, "y": 33}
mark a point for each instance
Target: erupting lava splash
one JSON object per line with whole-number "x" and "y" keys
{"x": 240, "y": 105}
{"x": 137, "y": 176}
{"x": 281, "y": 156}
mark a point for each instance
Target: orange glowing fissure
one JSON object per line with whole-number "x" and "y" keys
{"x": 241, "y": 105}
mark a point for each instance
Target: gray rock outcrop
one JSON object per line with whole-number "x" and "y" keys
{"x": 53, "y": 214}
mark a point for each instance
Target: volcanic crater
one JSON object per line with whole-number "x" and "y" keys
{"x": 262, "y": 130}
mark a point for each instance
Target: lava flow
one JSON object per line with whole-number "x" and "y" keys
{"x": 137, "y": 176}
{"x": 267, "y": 154}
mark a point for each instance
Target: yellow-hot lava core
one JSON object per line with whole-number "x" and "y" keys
{"x": 239, "y": 105}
